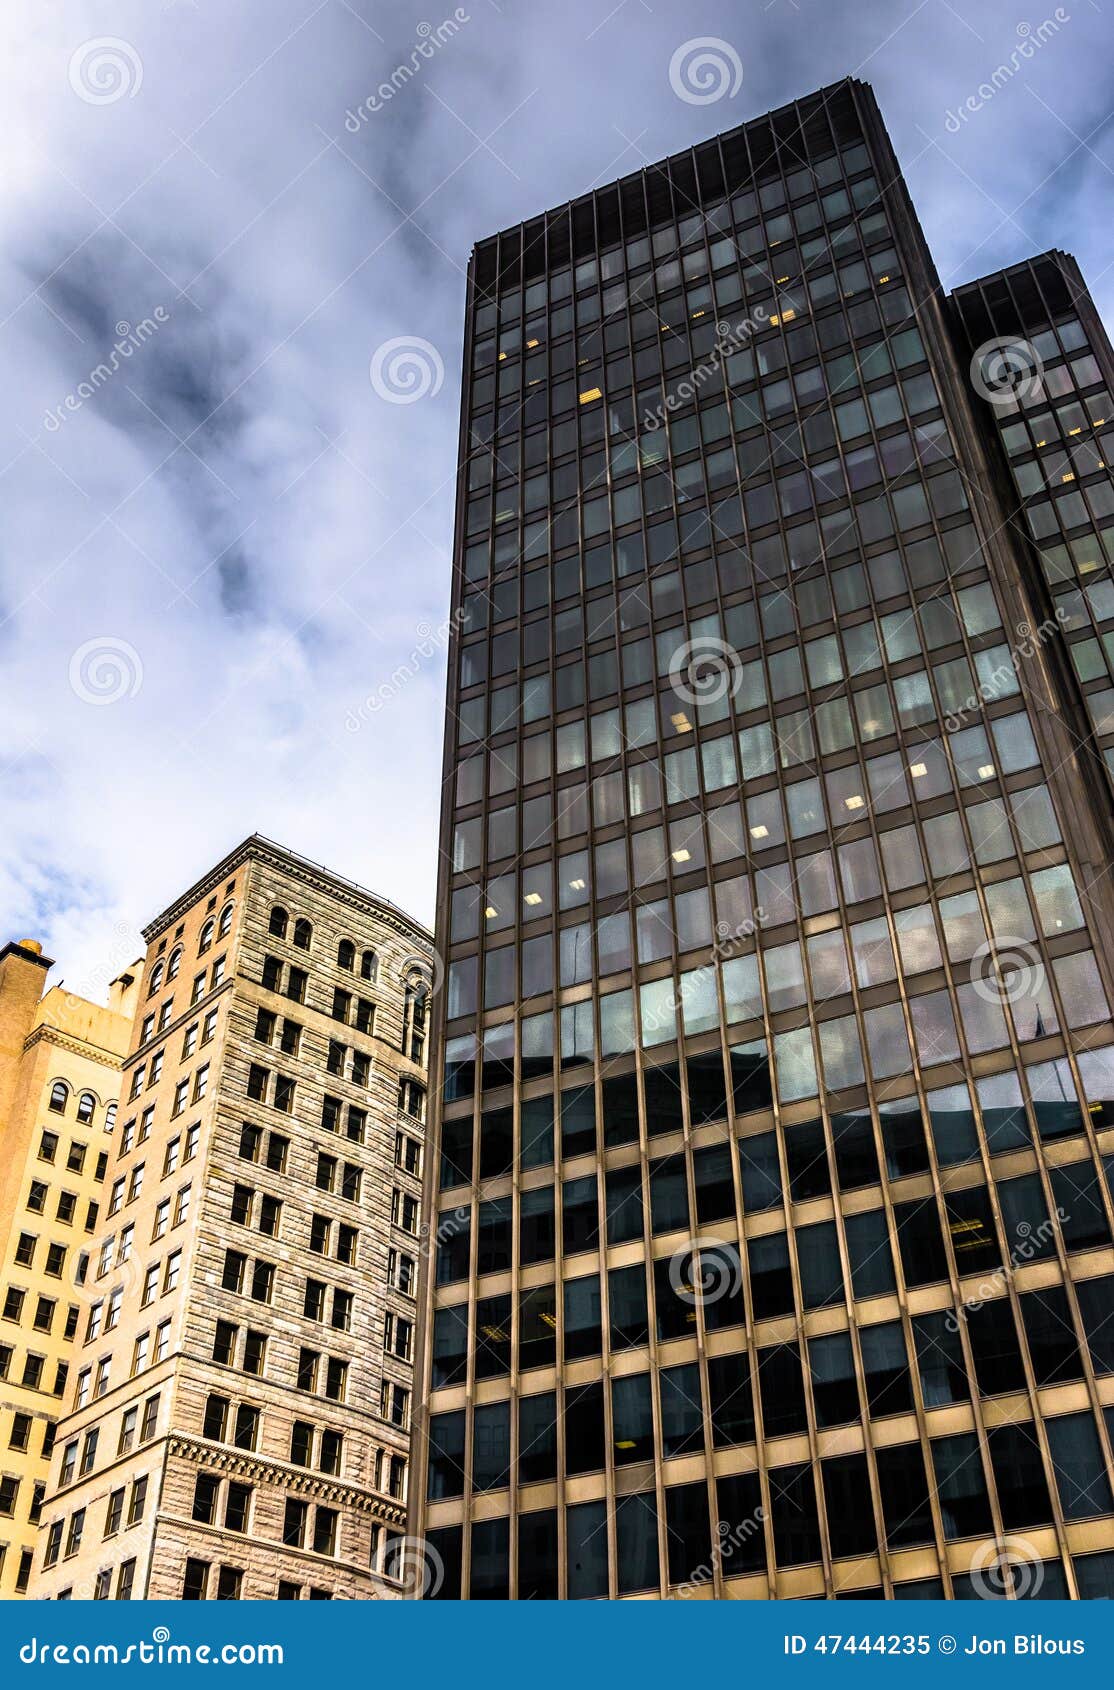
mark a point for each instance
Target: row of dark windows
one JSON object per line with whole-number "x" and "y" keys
{"x": 736, "y": 1539}
{"x": 778, "y": 1280}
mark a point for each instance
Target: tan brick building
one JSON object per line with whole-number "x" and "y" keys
{"x": 60, "y": 1060}
{"x": 239, "y": 1407}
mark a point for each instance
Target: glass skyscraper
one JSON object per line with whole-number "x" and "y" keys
{"x": 770, "y": 1192}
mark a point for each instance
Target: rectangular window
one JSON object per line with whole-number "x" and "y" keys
{"x": 195, "y": 1584}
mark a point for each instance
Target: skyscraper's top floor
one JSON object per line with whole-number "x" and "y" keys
{"x": 763, "y": 164}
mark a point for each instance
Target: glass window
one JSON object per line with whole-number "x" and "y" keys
{"x": 1019, "y": 1476}
{"x": 795, "y": 1524}
{"x": 1080, "y": 1466}
{"x": 740, "y": 1521}
{"x": 820, "y": 1267}
{"x": 1096, "y": 1299}
{"x": 582, "y": 1317}
{"x": 1050, "y": 1331}
{"x": 730, "y": 1399}
{"x": 490, "y": 1560}
{"x": 846, "y": 1481}
{"x": 491, "y": 1446}
{"x": 586, "y": 1550}
{"x": 445, "y": 1475}
{"x": 889, "y": 1388}
{"x": 870, "y": 1253}
{"x": 537, "y": 1438}
{"x": 961, "y": 1487}
{"x": 905, "y": 1496}
{"x": 688, "y": 1533}
{"x": 682, "y": 1415}
{"x": 636, "y": 1542}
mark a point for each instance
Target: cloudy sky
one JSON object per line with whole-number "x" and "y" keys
{"x": 215, "y": 556}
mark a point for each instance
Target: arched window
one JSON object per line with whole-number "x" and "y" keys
{"x": 110, "y": 1118}
{"x": 415, "y": 1016}
{"x": 206, "y": 938}
{"x": 59, "y": 1096}
{"x": 174, "y": 964}
{"x": 369, "y": 965}
{"x": 278, "y": 921}
{"x": 346, "y": 955}
{"x": 303, "y": 933}
{"x": 225, "y": 921}
{"x": 86, "y": 1104}
{"x": 156, "y": 977}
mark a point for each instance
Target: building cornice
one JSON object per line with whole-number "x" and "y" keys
{"x": 76, "y": 1046}
{"x": 14, "y": 948}
{"x": 257, "y": 849}
{"x": 302, "y": 1481}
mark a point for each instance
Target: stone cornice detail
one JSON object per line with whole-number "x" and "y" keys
{"x": 246, "y": 1464}
{"x": 47, "y": 1034}
{"x": 258, "y": 849}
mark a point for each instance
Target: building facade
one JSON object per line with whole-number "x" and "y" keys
{"x": 772, "y": 1157}
{"x": 237, "y": 1424}
{"x": 60, "y": 1061}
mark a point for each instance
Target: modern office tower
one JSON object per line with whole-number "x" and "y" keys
{"x": 775, "y": 1060}
{"x": 237, "y": 1422}
{"x": 60, "y": 1061}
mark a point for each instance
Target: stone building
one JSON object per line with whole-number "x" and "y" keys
{"x": 238, "y": 1415}
{"x": 60, "y": 1060}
